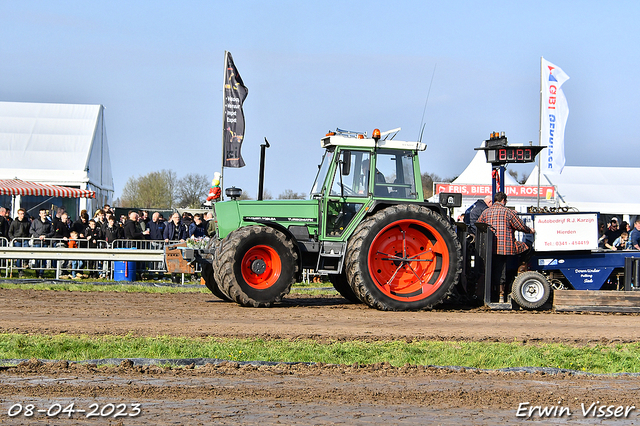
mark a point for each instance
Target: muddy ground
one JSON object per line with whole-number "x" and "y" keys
{"x": 230, "y": 393}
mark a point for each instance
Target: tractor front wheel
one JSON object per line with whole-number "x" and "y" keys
{"x": 256, "y": 266}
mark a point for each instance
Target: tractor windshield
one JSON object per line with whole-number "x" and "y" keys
{"x": 322, "y": 174}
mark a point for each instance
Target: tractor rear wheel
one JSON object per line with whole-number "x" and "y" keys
{"x": 256, "y": 266}
{"x": 404, "y": 257}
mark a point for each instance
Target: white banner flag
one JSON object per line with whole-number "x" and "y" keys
{"x": 553, "y": 117}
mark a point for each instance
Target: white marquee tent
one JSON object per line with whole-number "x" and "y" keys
{"x": 608, "y": 190}
{"x": 479, "y": 172}
{"x": 58, "y": 144}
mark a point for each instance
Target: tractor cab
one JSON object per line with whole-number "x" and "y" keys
{"x": 357, "y": 171}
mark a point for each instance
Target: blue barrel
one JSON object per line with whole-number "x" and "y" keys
{"x": 124, "y": 271}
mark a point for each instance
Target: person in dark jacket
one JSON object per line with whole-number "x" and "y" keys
{"x": 19, "y": 233}
{"x": 198, "y": 228}
{"x": 81, "y": 224}
{"x": 474, "y": 215}
{"x": 93, "y": 234}
{"x": 62, "y": 227}
{"x": 156, "y": 228}
{"x": 19, "y": 228}
{"x": 187, "y": 219}
{"x": 156, "y": 235}
{"x": 4, "y": 223}
{"x": 40, "y": 230}
{"x": 113, "y": 231}
{"x": 175, "y": 229}
{"x": 132, "y": 229}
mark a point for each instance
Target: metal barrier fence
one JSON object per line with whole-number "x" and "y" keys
{"x": 86, "y": 257}
{"x": 154, "y": 267}
{"x": 4, "y": 262}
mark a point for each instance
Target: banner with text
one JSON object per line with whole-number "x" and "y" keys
{"x": 480, "y": 191}
{"x": 554, "y": 111}
{"x": 235, "y": 93}
{"x": 566, "y": 232}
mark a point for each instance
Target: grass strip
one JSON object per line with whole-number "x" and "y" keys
{"x": 596, "y": 359}
{"x": 121, "y": 288}
{"x": 133, "y": 288}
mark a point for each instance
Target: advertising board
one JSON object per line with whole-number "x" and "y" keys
{"x": 547, "y": 192}
{"x": 566, "y": 232}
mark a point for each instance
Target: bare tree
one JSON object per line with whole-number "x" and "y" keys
{"x": 288, "y": 194}
{"x": 428, "y": 179}
{"x": 514, "y": 174}
{"x": 245, "y": 196}
{"x": 192, "y": 190}
{"x": 153, "y": 190}
{"x": 427, "y": 183}
{"x": 266, "y": 195}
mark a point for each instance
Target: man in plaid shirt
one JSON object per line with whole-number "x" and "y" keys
{"x": 503, "y": 222}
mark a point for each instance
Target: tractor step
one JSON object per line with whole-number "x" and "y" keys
{"x": 331, "y": 257}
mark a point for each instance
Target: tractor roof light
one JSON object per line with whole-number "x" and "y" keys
{"x": 376, "y": 135}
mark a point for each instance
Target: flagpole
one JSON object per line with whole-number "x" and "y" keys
{"x": 540, "y": 129}
{"x": 224, "y": 81}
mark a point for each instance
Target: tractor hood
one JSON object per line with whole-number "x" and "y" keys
{"x": 231, "y": 215}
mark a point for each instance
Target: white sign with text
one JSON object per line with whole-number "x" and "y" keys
{"x": 565, "y": 232}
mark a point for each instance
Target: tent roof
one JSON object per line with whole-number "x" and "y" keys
{"x": 609, "y": 190}
{"x": 54, "y": 143}
{"x": 19, "y": 187}
{"x": 478, "y": 172}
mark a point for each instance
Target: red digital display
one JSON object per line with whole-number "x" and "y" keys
{"x": 514, "y": 155}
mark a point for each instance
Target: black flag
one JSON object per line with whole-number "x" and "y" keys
{"x": 235, "y": 93}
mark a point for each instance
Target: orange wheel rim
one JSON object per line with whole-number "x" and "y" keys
{"x": 261, "y": 267}
{"x": 408, "y": 260}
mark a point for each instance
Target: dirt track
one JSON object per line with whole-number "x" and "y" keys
{"x": 232, "y": 394}
{"x": 298, "y": 316}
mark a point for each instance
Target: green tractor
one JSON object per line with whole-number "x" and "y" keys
{"x": 365, "y": 225}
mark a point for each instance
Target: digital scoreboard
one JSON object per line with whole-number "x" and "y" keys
{"x": 498, "y": 152}
{"x": 512, "y": 154}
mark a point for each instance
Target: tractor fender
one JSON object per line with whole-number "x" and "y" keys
{"x": 381, "y": 204}
{"x": 286, "y": 232}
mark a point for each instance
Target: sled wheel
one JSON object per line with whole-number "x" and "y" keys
{"x": 404, "y": 257}
{"x": 210, "y": 282}
{"x": 531, "y": 290}
{"x": 256, "y": 266}
{"x": 342, "y": 286}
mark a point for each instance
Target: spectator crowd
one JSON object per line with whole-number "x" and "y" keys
{"x": 61, "y": 230}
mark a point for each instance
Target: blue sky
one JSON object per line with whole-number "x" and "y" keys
{"x": 313, "y": 66}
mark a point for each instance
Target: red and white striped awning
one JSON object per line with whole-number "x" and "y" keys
{"x": 19, "y": 187}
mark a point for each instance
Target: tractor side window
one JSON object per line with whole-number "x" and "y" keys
{"x": 351, "y": 177}
{"x": 394, "y": 175}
